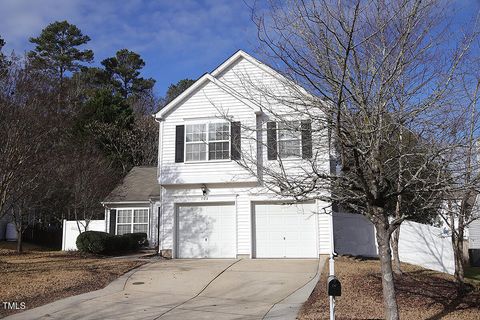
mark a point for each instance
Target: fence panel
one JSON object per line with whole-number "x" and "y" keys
{"x": 71, "y": 231}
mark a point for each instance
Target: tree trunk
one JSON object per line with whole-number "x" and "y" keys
{"x": 397, "y": 269}
{"x": 19, "y": 228}
{"x": 389, "y": 296}
{"x": 19, "y": 242}
{"x": 457, "y": 241}
{"x": 398, "y": 207}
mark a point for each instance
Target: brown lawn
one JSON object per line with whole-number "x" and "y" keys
{"x": 422, "y": 294}
{"x": 38, "y": 276}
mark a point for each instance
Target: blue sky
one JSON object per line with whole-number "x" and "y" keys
{"x": 176, "y": 38}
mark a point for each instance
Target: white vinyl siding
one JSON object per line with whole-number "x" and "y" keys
{"x": 132, "y": 220}
{"x": 201, "y": 106}
{"x": 210, "y": 102}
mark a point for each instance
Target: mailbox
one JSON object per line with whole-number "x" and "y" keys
{"x": 334, "y": 288}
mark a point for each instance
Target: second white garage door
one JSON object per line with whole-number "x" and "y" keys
{"x": 285, "y": 231}
{"x": 206, "y": 231}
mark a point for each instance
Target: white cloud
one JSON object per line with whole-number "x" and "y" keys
{"x": 176, "y": 27}
{"x": 177, "y": 38}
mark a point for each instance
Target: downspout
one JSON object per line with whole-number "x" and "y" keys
{"x": 160, "y": 224}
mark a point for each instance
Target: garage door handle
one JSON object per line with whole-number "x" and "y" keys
{"x": 283, "y": 238}
{"x": 206, "y": 239}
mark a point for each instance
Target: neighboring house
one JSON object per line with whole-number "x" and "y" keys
{"x": 132, "y": 204}
{"x": 209, "y": 206}
{"x": 474, "y": 235}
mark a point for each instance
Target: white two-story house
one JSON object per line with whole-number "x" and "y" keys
{"x": 215, "y": 139}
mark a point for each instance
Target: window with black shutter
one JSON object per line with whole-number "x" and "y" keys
{"x": 179, "y": 141}
{"x": 306, "y": 139}
{"x": 236, "y": 144}
{"x": 113, "y": 221}
{"x": 272, "y": 140}
{"x": 207, "y": 141}
{"x": 289, "y": 139}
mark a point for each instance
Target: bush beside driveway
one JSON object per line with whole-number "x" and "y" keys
{"x": 422, "y": 294}
{"x": 39, "y": 277}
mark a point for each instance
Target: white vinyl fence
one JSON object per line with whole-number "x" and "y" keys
{"x": 419, "y": 244}
{"x": 426, "y": 246}
{"x": 71, "y": 231}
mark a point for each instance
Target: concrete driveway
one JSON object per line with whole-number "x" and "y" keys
{"x": 195, "y": 289}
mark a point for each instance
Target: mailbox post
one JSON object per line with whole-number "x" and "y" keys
{"x": 334, "y": 287}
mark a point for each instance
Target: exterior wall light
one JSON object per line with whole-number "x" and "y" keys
{"x": 204, "y": 192}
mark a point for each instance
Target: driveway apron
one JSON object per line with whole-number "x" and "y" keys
{"x": 195, "y": 289}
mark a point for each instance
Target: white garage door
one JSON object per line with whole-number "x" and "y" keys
{"x": 206, "y": 231}
{"x": 285, "y": 231}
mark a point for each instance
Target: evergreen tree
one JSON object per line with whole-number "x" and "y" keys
{"x": 174, "y": 90}
{"x": 124, "y": 72}
{"x": 3, "y": 60}
{"x": 57, "y": 49}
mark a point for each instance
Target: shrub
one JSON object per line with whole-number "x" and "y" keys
{"x": 117, "y": 244}
{"x": 93, "y": 241}
{"x": 102, "y": 242}
{"x": 137, "y": 240}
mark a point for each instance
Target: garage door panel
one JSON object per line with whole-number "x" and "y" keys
{"x": 206, "y": 231}
{"x": 285, "y": 231}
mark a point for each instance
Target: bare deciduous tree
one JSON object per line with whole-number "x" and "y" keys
{"x": 25, "y": 132}
{"x": 371, "y": 69}
{"x": 462, "y": 165}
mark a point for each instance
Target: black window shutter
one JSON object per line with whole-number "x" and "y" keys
{"x": 306, "y": 139}
{"x": 236, "y": 143}
{"x": 271, "y": 140}
{"x": 179, "y": 141}
{"x": 113, "y": 221}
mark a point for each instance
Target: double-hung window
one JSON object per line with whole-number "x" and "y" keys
{"x": 132, "y": 220}
{"x": 289, "y": 139}
{"x": 196, "y": 142}
{"x": 207, "y": 141}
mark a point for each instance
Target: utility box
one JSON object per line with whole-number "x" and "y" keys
{"x": 334, "y": 288}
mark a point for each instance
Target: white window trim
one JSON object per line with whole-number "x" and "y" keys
{"x": 207, "y": 123}
{"x": 283, "y": 140}
{"x": 133, "y": 223}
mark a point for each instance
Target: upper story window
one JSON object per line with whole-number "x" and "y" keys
{"x": 210, "y": 140}
{"x": 195, "y": 142}
{"x": 289, "y": 139}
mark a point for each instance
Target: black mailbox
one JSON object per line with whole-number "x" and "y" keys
{"x": 334, "y": 288}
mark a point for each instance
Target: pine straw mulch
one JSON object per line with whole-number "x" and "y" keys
{"x": 39, "y": 277}
{"x": 421, "y": 294}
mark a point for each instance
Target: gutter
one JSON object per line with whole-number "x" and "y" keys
{"x": 106, "y": 203}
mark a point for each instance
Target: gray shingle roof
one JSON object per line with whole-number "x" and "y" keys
{"x": 140, "y": 184}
